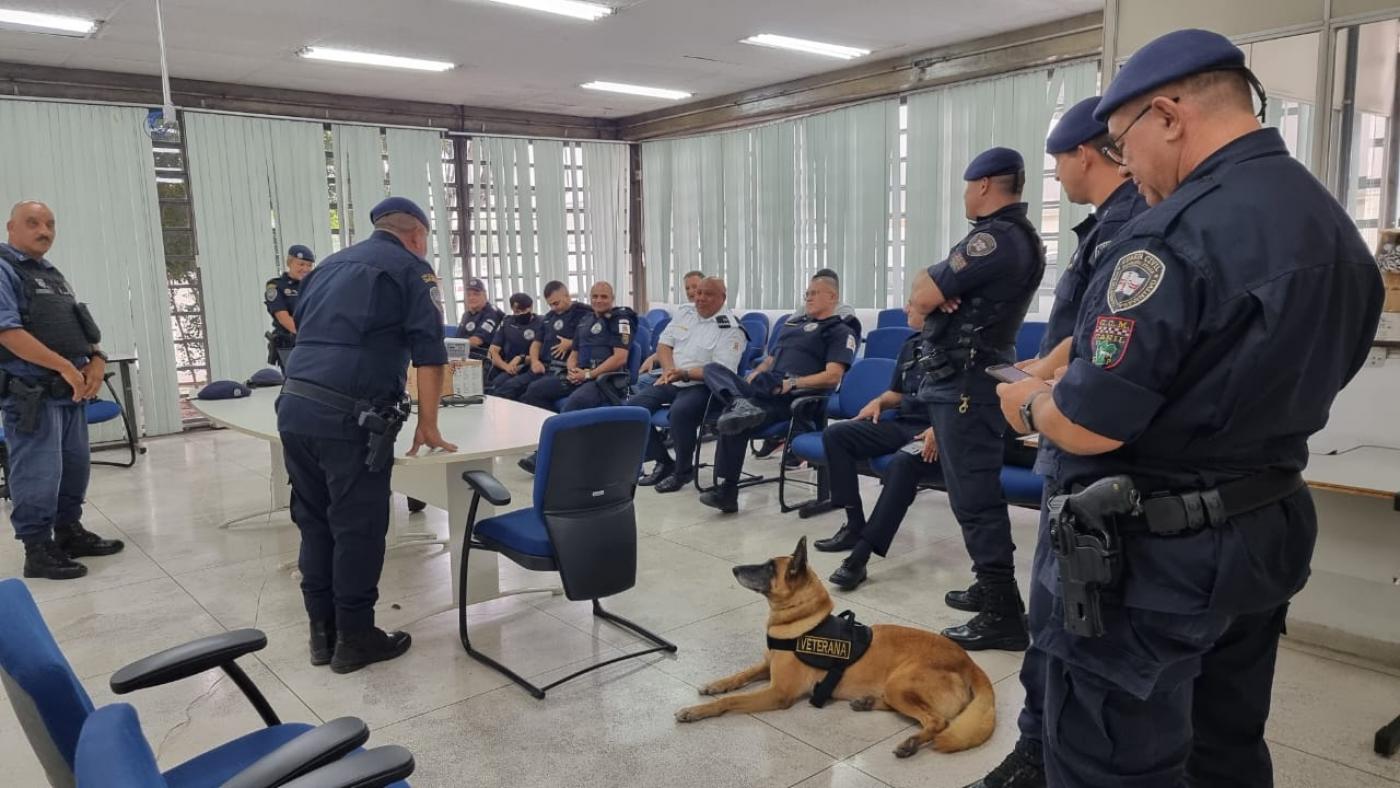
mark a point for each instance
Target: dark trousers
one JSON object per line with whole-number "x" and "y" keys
{"x": 49, "y": 468}
{"x": 727, "y": 386}
{"x": 688, "y": 410}
{"x": 902, "y": 479}
{"x": 849, "y": 442}
{"x": 546, "y": 390}
{"x": 1206, "y": 731}
{"x": 342, "y": 511}
{"x": 512, "y": 387}
{"x": 971, "y": 454}
{"x": 1031, "y": 721}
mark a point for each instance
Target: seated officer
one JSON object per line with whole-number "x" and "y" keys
{"x": 552, "y": 343}
{"x": 281, "y": 297}
{"x": 509, "y": 352}
{"x": 884, "y": 425}
{"x": 813, "y": 353}
{"x": 648, "y": 373}
{"x": 479, "y": 323}
{"x": 708, "y": 333}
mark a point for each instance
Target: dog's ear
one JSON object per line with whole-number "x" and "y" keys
{"x": 797, "y": 566}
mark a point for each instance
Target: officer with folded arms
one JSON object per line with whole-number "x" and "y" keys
{"x": 281, "y": 295}
{"x": 49, "y": 366}
{"x": 480, "y": 321}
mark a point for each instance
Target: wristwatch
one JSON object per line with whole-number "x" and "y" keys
{"x": 588, "y": 374}
{"x": 1027, "y": 413}
{"x": 95, "y": 353}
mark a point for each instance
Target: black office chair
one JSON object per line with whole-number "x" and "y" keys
{"x": 582, "y": 524}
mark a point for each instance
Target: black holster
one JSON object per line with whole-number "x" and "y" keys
{"x": 29, "y": 399}
{"x": 380, "y": 422}
{"x": 1084, "y": 537}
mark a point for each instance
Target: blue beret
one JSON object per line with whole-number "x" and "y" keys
{"x": 398, "y": 205}
{"x": 224, "y": 389}
{"x": 1076, "y": 127}
{"x": 476, "y": 284}
{"x": 301, "y": 253}
{"x": 995, "y": 161}
{"x": 265, "y": 377}
{"x": 1166, "y": 59}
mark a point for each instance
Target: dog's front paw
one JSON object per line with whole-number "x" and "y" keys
{"x": 712, "y": 689}
{"x": 863, "y": 704}
{"x": 907, "y": 748}
{"x": 690, "y": 714}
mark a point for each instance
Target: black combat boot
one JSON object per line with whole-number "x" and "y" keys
{"x": 355, "y": 650}
{"x": 1023, "y": 768}
{"x": 322, "y": 642}
{"x": 79, "y": 542}
{"x": 47, "y": 560}
{"x": 1000, "y": 625}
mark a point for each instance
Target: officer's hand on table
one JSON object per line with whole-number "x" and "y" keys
{"x": 537, "y": 367}
{"x": 430, "y": 437}
{"x": 1014, "y": 395}
{"x": 870, "y": 413}
{"x": 562, "y": 349}
{"x": 77, "y": 380}
{"x": 930, "y": 451}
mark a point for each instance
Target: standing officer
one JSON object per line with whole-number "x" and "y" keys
{"x": 814, "y": 352}
{"x": 478, "y": 326}
{"x": 510, "y": 348}
{"x": 885, "y": 424}
{"x": 1087, "y": 175}
{"x": 648, "y": 373}
{"x": 367, "y": 311}
{"x": 1212, "y": 340}
{"x": 988, "y": 283}
{"x": 707, "y": 333}
{"x": 49, "y": 366}
{"x": 553, "y": 342}
{"x": 281, "y": 296}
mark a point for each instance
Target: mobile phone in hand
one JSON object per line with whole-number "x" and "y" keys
{"x": 1006, "y": 373}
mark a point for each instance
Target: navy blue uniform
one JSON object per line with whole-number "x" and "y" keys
{"x": 1214, "y": 336}
{"x": 481, "y": 325}
{"x": 513, "y": 340}
{"x": 554, "y": 327}
{"x": 995, "y": 271}
{"x": 281, "y": 295}
{"x": 805, "y": 347}
{"x": 364, "y": 314}
{"x": 595, "y": 339}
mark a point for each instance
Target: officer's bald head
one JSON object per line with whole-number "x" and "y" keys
{"x": 31, "y": 228}
{"x": 601, "y": 297}
{"x": 407, "y": 229}
{"x": 710, "y": 295}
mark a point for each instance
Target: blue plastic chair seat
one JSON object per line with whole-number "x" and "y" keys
{"x": 102, "y": 410}
{"x": 219, "y": 765}
{"x": 809, "y": 447}
{"x": 521, "y": 531}
{"x": 880, "y": 464}
{"x": 777, "y": 429}
{"x": 660, "y": 419}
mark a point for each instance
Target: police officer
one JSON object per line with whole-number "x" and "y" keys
{"x": 976, "y": 300}
{"x": 366, "y": 313}
{"x": 885, "y": 424}
{"x": 49, "y": 366}
{"x": 281, "y": 296}
{"x": 648, "y": 373}
{"x": 1087, "y": 175}
{"x": 601, "y": 343}
{"x": 1214, "y": 336}
{"x": 554, "y": 341}
{"x": 704, "y": 334}
{"x": 814, "y": 352}
{"x": 509, "y": 353}
{"x": 478, "y": 326}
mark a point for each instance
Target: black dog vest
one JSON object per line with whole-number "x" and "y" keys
{"x": 835, "y": 644}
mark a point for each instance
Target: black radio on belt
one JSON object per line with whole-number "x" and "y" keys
{"x": 1084, "y": 536}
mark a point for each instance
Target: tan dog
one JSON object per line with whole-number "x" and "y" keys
{"x": 917, "y": 673}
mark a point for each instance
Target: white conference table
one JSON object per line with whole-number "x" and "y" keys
{"x": 495, "y": 428}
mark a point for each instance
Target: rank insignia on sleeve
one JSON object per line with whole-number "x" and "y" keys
{"x": 430, "y": 279}
{"x": 1136, "y": 277}
{"x": 1111, "y": 338}
{"x": 981, "y": 245}
{"x": 722, "y": 321}
{"x": 957, "y": 262}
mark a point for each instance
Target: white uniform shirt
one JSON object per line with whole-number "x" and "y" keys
{"x": 697, "y": 341}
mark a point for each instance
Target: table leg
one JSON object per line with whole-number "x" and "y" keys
{"x": 129, "y": 402}
{"x": 279, "y": 493}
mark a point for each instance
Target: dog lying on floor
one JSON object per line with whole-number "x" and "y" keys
{"x": 917, "y": 673}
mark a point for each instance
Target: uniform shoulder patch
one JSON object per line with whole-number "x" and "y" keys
{"x": 1111, "y": 338}
{"x": 271, "y": 293}
{"x": 957, "y": 262}
{"x": 624, "y": 327}
{"x": 1136, "y": 276}
{"x": 981, "y": 245}
{"x": 851, "y": 343}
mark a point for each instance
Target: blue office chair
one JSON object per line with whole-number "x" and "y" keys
{"x": 616, "y": 385}
{"x": 655, "y": 316}
{"x": 656, "y": 329}
{"x": 1021, "y": 486}
{"x": 449, "y": 331}
{"x": 867, "y": 379}
{"x": 52, "y": 705}
{"x": 1028, "y": 340}
{"x": 582, "y": 523}
{"x": 777, "y": 331}
{"x": 891, "y": 318}
{"x": 886, "y": 342}
{"x": 101, "y": 410}
{"x": 756, "y": 326}
{"x": 113, "y": 752}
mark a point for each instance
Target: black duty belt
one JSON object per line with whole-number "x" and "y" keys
{"x": 833, "y": 645}
{"x": 1169, "y": 514}
{"x": 328, "y": 397}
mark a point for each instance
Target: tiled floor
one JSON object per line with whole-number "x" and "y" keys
{"x": 182, "y": 577}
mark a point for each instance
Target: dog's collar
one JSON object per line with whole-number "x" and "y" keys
{"x": 833, "y": 645}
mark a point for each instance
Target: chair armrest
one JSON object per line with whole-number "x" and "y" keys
{"x": 614, "y": 385}
{"x": 369, "y": 769}
{"x": 308, "y": 752}
{"x": 187, "y": 660}
{"x": 488, "y": 487}
{"x": 809, "y": 400}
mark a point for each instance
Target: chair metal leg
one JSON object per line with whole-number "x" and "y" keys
{"x": 465, "y": 637}
{"x": 662, "y": 644}
{"x": 128, "y": 428}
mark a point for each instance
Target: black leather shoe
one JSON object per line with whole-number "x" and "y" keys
{"x": 992, "y": 630}
{"x": 969, "y": 601}
{"x": 1023, "y": 768}
{"x": 663, "y": 470}
{"x": 358, "y": 649}
{"x": 839, "y": 542}
{"x": 322, "y": 642}
{"x": 815, "y": 508}
{"x": 726, "y": 501}
{"x": 675, "y": 482}
{"x": 740, "y": 417}
{"x": 849, "y": 575}
{"x": 49, "y": 561}
{"x": 527, "y": 463}
{"x": 79, "y": 542}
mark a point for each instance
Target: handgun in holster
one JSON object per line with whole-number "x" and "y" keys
{"x": 383, "y": 424}
{"x": 27, "y": 399}
{"x": 1084, "y": 537}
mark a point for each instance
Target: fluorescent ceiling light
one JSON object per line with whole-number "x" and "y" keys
{"x": 374, "y": 59}
{"x": 637, "y": 90}
{"x": 803, "y": 45}
{"x": 574, "y": 8}
{"x": 30, "y": 22}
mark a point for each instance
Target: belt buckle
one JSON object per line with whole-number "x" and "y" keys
{"x": 1171, "y": 514}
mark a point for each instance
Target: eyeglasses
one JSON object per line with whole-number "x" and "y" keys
{"x": 1113, "y": 149}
